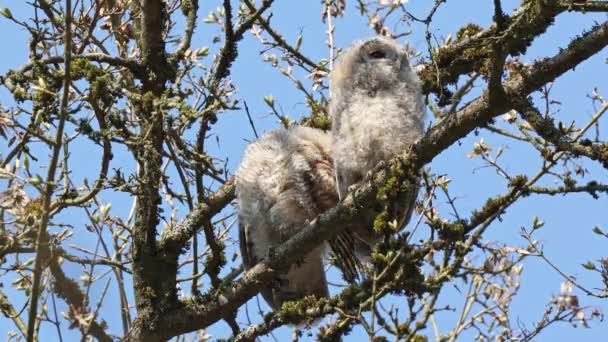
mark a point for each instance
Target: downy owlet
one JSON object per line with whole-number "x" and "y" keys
{"x": 285, "y": 180}
{"x": 377, "y": 111}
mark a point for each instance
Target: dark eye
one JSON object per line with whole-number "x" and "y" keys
{"x": 377, "y": 54}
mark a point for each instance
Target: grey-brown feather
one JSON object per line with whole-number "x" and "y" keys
{"x": 285, "y": 180}
{"x": 377, "y": 111}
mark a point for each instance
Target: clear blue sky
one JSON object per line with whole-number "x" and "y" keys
{"x": 566, "y": 237}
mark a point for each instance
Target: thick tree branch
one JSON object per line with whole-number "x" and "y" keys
{"x": 152, "y": 43}
{"x": 531, "y": 20}
{"x": 154, "y": 273}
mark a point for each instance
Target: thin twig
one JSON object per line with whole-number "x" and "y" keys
{"x": 50, "y": 178}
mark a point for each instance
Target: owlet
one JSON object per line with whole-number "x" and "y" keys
{"x": 285, "y": 180}
{"x": 377, "y": 111}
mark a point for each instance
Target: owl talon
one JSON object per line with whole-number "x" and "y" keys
{"x": 369, "y": 175}
{"x": 352, "y": 188}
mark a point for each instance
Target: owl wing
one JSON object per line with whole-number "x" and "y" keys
{"x": 345, "y": 245}
{"x": 343, "y": 250}
{"x": 246, "y": 244}
{"x": 321, "y": 177}
{"x": 408, "y": 205}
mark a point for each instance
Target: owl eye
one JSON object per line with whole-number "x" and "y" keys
{"x": 377, "y": 54}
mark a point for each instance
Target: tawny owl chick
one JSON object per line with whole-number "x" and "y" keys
{"x": 377, "y": 111}
{"x": 285, "y": 180}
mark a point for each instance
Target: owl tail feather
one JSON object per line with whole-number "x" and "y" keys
{"x": 343, "y": 249}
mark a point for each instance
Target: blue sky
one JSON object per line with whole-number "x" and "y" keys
{"x": 566, "y": 237}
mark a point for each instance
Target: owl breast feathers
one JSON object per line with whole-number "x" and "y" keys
{"x": 377, "y": 112}
{"x": 285, "y": 180}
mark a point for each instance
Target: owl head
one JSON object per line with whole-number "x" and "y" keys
{"x": 372, "y": 65}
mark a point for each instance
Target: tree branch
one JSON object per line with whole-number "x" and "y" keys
{"x": 532, "y": 19}
{"x": 152, "y": 43}
{"x": 588, "y": 6}
{"x": 545, "y": 127}
{"x": 133, "y": 65}
{"x": 69, "y": 290}
{"x": 280, "y": 41}
{"x": 191, "y": 15}
{"x": 229, "y": 52}
{"x": 176, "y": 238}
{"x": 9, "y": 311}
{"x": 49, "y": 187}
{"x": 103, "y": 171}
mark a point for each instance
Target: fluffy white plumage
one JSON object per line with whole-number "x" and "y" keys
{"x": 377, "y": 111}
{"x": 285, "y": 180}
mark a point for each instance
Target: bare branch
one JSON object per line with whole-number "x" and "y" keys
{"x": 41, "y": 240}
